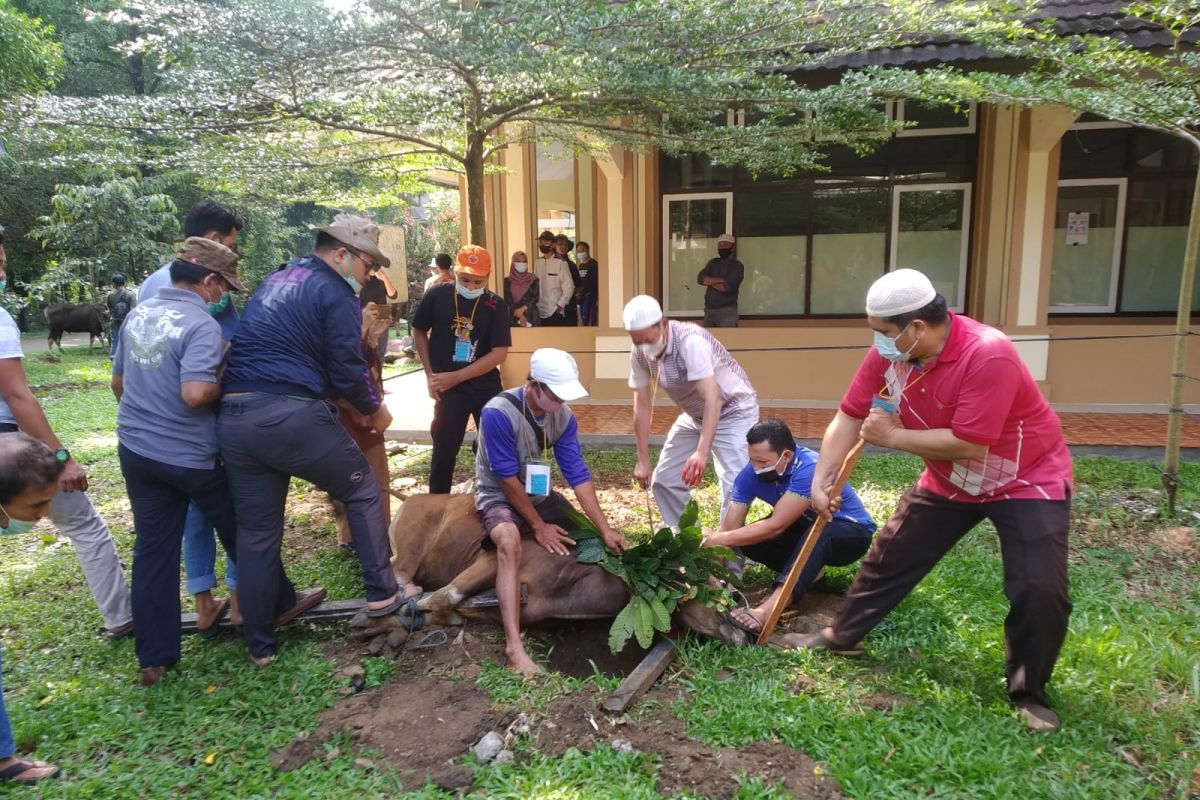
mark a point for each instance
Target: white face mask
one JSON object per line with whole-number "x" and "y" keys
{"x": 652, "y": 350}
{"x": 520, "y": 266}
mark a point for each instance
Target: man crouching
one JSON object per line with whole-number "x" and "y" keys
{"x": 512, "y": 480}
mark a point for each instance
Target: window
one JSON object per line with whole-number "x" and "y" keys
{"x": 555, "y": 190}
{"x": 849, "y": 232}
{"x": 692, "y": 223}
{"x": 929, "y": 233}
{"x": 771, "y": 242}
{"x": 934, "y": 119}
{"x": 1157, "y": 233}
{"x": 1087, "y": 245}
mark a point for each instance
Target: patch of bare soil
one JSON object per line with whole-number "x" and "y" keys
{"x": 685, "y": 765}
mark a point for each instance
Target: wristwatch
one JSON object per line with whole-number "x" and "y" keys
{"x": 62, "y": 454}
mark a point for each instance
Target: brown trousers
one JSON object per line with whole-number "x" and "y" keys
{"x": 1033, "y": 547}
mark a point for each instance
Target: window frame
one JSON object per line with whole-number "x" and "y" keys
{"x": 666, "y": 244}
{"x": 959, "y": 303}
{"x": 970, "y": 127}
{"x": 1122, "y": 184}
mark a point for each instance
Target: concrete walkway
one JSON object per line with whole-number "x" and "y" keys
{"x": 612, "y": 424}
{"x": 36, "y": 342}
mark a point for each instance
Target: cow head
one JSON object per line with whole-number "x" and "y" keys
{"x": 706, "y": 622}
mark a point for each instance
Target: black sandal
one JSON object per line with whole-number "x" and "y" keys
{"x": 13, "y": 772}
{"x": 403, "y": 609}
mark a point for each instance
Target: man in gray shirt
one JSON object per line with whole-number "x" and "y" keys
{"x": 723, "y": 276}
{"x": 166, "y": 377}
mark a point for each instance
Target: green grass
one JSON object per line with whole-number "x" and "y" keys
{"x": 1125, "y": 684}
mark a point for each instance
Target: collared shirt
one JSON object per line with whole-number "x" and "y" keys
{"x": 694, "y": 354}
{"x": 557, "y": 287}
{"x": 165, "y": 341}
{"x": 301, "y": 333}
{"x": 161, "y": 279}
{"x": 797, "y": 481}
{"x": 978, "y": 388}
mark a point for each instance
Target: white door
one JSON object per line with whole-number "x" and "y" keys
{"x": 691, "y": 225}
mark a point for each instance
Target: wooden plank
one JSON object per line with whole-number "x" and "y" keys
{"x": 642, "y": 677}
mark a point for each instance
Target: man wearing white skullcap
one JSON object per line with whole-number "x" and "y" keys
{"x": 718, "y": 403}
{"x": 955, "y": 392}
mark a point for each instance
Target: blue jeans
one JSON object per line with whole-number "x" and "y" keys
{"x": 200, "y": 554}
{"x": 7, "y": 746}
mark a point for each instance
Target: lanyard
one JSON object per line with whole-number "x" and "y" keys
{"x": 462, "y": 326}
{"x": 525, "y": 417}
{"x": 886, "y": 393}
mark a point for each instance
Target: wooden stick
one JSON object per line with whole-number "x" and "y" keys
{"x": 642, "y": 677}
{"x": 810, "y": 544}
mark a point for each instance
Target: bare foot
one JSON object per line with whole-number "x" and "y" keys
{"x": 235, "y": 610}
{"x": 32, "y": 772}
{"x": 520, "y": 663}
{"x": 208, "y": 610}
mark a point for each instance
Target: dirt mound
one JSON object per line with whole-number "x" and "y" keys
{"x": 685, "y": 765}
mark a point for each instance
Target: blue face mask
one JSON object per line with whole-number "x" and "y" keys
{"x": 347, "y": 274}
{"x": 886, "y": 346}
{"x": 470, "y": 294}
{"x": 16, "y": 526}
{"x": 3, "y": 284}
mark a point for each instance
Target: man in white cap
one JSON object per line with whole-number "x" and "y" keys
{"x": 955, "y": 392}
{"x": 723, "y": 276}
{"x": 711, "y": 389}
{"x": 513, "y": 491}
{"x": 297, "y": 349}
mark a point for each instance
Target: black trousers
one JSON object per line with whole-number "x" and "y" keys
{"x": 449, "y": 427}
{"x": 1033, "y": 547}
{"x": 265, "y": 440}
{"x": 842, "y": 542}
{"x": 159, "y": 495}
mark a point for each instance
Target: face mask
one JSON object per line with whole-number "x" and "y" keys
{"x": 886, "y": 346}
{"x": 3, "y": 284}
{"x": 220, "y": 305}
{"x": 16, "y": 526}
{"x": 547, "y": 405}
{"x": 470, "y": 294}
{"x": 724, "y": 252}
{"x": 770, "y": 474}
{"x": 348, "y": 274}
{"x": 652, "y": 350}
{"x": 545, "y": 248}
{"x": 581, "y": 257}
{"x": 520, "y": 266}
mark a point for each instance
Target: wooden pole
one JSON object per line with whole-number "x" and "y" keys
{"x": 810, "y": 544}
{"x": 642, "y": 677}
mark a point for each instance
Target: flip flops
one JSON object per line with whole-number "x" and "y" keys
{"x": 13, "y": 772}
{"x": 305, "y": 601}
{"x": 211, "y": 630}
{"x": 403, "y": 609}
{"x": 117, "y": 633}
{"x": 729, "y": 616}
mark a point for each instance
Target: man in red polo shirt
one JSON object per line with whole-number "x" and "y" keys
{"x": 955, "y": 392}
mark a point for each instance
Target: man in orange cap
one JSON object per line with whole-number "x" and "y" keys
{"x": 461, "y": 331}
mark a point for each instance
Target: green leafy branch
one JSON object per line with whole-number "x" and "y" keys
{"x": 670, "y": 568}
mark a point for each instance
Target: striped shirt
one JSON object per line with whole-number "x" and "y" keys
{"x": 692, "y": 355}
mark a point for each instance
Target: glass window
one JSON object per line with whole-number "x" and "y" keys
{"x": 849, "y": 232}
{"x": 771, "y": 243}
{"x": 1158, "y": 223}
{"x": 930, "y": 235}
{"x": 1093, "y": 152}
{"x": 944, "y": 158}
{"x": 931, "y": 117}
{"x": 555, "y": 189}
{"x": 692, "y": 224}
{"x": 1087, "y": 245}
{"x": 1154, "y": 151}
{"x": 693, "y": 172}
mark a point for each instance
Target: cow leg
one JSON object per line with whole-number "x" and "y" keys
{"x": 479, "y": 575}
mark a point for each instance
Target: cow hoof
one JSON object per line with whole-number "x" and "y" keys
{"x": 733, "y": 636}
{"x": 445, "y": 599}
{"x": 446, "y": 618}
{"x": 361, "y": 620}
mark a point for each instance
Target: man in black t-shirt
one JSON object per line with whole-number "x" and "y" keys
{"x": 461, "y": 331}
{"x": 120, "y": 302}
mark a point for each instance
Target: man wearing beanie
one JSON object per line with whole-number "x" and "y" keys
{"x": 297, "y": 349}
{"x": 461, "y": 331}
{"x": 718, "y": 405}
{"x": 955, "y": 392}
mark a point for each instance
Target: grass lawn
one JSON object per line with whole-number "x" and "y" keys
{"x": 1126, "y": 684}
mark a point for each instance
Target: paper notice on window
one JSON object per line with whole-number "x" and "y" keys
{"x": 1077, "y": 227}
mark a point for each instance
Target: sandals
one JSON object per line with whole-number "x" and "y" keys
{"x": 211, "y": 630}
{"x": 13, "y": 772}
{"x": 403, "y": 609}
{"x": 305, "y": 601}
{"x": 729, "y": 616}
{"x": 117, "y": 633}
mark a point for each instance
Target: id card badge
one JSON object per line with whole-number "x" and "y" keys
{"x": 537, "y": 479}
{"x": 462, "y": 351}
{"x": 885, "y": 403}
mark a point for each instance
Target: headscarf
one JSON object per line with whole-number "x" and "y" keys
{"x": 519, "y": 282}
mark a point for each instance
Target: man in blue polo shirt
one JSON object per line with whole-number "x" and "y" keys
{"x": 780, "y": 473}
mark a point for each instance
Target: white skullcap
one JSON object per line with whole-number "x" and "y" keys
{"x": 899, "y": 292}
{"x": 641, "y": 312}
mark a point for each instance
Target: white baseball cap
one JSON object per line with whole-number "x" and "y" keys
{"x": 557, "y": 370}
{"x": 899, "y": 292}
{"x": 641, "y": 312}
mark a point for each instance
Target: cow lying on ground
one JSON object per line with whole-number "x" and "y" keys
{"x": 438, "y": 544}
{"x": 68, "y": 318}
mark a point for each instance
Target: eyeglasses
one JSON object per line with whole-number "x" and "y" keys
{"x": 372, "y": 267}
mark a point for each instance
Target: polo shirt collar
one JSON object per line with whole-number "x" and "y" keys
{"x": 955, "y": 341}
{"x": 183, "y": 295}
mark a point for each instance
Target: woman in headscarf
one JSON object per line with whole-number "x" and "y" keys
{"x": 521, "y": 291}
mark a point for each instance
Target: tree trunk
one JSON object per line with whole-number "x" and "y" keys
{"x": 476, "y": 213}
{"x": 1183, "y": 318}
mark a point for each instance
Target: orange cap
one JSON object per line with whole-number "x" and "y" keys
{"x": 474, "y": 260}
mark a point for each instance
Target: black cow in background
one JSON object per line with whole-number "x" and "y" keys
{"x": 68, "y": 318}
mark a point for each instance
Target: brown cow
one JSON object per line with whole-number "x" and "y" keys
{"x": 438, "y": 544}
{"x": 69, "y": 318}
